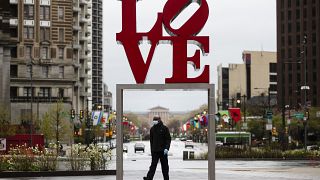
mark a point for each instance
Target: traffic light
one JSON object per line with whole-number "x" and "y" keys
{"x": 73, "y": 114}
{"x": 307, "y": 114}
{"x": 81, "y": 114}
{"x": 274, "y": 131}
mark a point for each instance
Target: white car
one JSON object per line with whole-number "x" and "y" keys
{"x": 219, "y": 143}
{"x": 189, "y": 143}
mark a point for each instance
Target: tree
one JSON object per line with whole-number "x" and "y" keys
{"x": 5, "y": 128}
{"x": 55, "y": 124}
{"x": 174, "y": 127}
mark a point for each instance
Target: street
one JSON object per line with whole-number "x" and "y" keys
{"x": 136, "y": 166}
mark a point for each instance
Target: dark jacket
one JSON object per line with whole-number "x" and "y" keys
{"x": 160, "y": 138}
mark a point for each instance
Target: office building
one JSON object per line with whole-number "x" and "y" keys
{"x": 248, "y": 80}
{"x": 46, "y": 65}
{"x": 298, "y": 42}
{"x": 97, "y": 60}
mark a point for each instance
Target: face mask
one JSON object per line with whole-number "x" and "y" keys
{"x": 155, "y": 122}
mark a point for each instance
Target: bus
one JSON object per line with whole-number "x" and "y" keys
{"x": 234, "y": 137}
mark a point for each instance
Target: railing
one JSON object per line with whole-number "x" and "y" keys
{"x": 20, "y": 99}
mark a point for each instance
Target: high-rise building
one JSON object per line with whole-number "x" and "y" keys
{"x": 97, "y": 61}
{"x": 256, "y": 76}
{"x": 46, "y": 65}
{"x": 82, "y": 52}
{"x": 5, "y": 54}
{"x": 298, "y": 42}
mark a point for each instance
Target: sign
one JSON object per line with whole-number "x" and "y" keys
{"x": 179, "y": 39}
{"x": 235, "y": 114}
{"x": 299, "y": 115}
{"x": 269, "y": 114}
{"x": 3, "y": 146}
{"x": 96, "y": 117}
{"x": 268, "y": 127}
{"x": 318, "y": 114}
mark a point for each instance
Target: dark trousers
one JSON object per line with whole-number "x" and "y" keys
{"x": 164, "y": 165}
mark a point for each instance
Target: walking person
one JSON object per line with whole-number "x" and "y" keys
{"x": 160, "y": 141}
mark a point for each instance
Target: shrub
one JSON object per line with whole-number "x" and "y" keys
{"x": 78, "y": 158}
{"x": 4, "y": 165}
{"x": 23, "y": 158}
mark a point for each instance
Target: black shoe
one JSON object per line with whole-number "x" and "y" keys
{"x": 145, "y": 178}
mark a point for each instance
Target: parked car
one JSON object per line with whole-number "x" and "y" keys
{"x": 219, "y": 143}
{"x": 125, "y": 149}
{"x": 188, "y": 143}
{"x": 312, "y": 148}
{"x": 139, "y": 147}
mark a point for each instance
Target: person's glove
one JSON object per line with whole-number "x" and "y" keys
{"x": 165, "y": 152}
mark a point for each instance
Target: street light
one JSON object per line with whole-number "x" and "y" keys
{"x": 305, "y": 88}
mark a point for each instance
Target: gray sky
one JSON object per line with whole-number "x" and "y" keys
{"x": 233, "y": 26}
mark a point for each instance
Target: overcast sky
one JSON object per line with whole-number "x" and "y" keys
{"x": 233, "y": 26}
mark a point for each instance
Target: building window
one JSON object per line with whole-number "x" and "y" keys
{"x": 29, "y": 71}
{"x": 45, "y": 53}
{"x": 289, "y": 40}
{"x": 298, "y": 39}
{"x": 13, "y": 71}
{"x": 28, "y": 53}
{"x": 45, "y": 92}
{"x": 61, "y": 72}
{"x": 282, "y": 28}
{"x": 45, "y": 13}
{"x": 314, "y": 38}
{"x": 27, "y": 91}
{"x": 289, "y": 53}
{"x": 314, "y": 25}
{"x": 315, "y": 75}
{"x": 298, "y": 52}
{"x": 289, "y": 15}
{"x": 297, "y": 3}
{"x": 61, "y": 53}
{"x": 273, "y": 67}
{"x": 13, "y": 92}
{"x": 29, "y": 11}
{"x": 61, "y": 13}
{"x": 45, "y": 71}
{"x": 297, "y": 14}
{"x": 305, "y": 25}
{"x": 273, "y": 78}
{"x": 298, "y": 26}
{"x": 289, "y": 3}
{"x": 289, "y": 28}
{"x": 314, "y": 51}
{"x": 61, "y": 35}
{"x": 28, "y": 32}
{"x": 61, "y": 93}
{"x": 44, "y": 34}
{"x": 314, "y": 12}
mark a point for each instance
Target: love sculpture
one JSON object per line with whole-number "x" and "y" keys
{"x": 179, "y": 38}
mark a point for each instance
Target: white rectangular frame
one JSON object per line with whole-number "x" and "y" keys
{"x": 210, "y": 88}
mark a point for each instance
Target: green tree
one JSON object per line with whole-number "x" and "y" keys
{"x": 55, "y": 125}
{"x": 174, "y": 127}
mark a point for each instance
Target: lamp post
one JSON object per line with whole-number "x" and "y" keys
{"x": 305, "y": 88}
{"x": 31, "y": 102}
